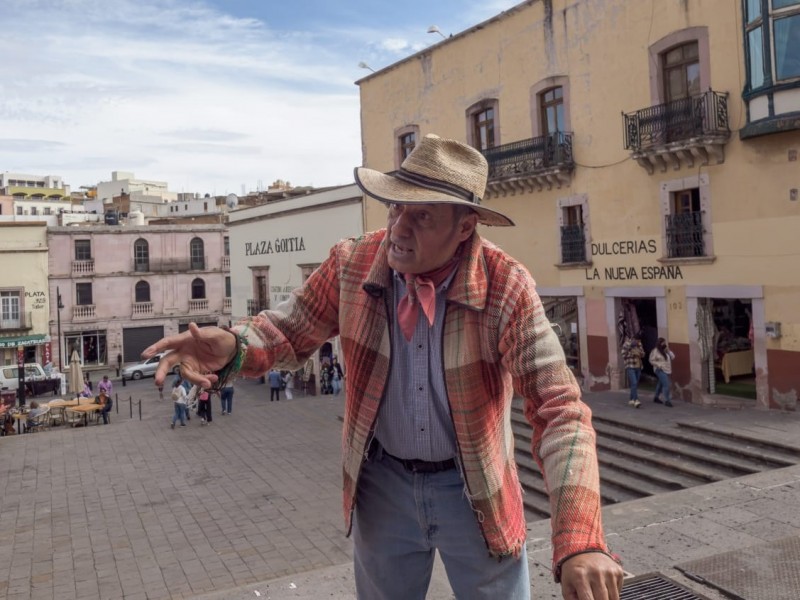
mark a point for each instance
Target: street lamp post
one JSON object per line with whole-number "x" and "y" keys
{"x": 59, "y": 306}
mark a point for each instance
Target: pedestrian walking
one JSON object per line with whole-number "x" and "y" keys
{"x": 443, "y": 329}
{"x": 226, "y": 398}
{"x": 337, "y": 376}
{"x": 632, "y": 354}
{"x": 179, "y": 403}
{"x": 288, "y": 382}
{"x": 661, "y": 358}
{"x": 274, "y": 385}
{"x": 204, "y": 406}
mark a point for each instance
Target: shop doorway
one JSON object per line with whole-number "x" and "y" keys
{"x": 562, "y": 312}
{"x": 638, "y": 316}
{"x": 725, "y": 327}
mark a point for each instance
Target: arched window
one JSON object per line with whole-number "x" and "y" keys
{"x": 198, "y": 289}
{"x": 197, "y": 255}
{"x": 142, "y": 291}
{"x": 141, "y": 255}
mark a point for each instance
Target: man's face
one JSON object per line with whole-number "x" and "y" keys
{"x": 423, "y": 237}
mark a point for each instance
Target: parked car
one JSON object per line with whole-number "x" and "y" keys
{"x": 9, "y": 375}
{"x": 146, "y": 368}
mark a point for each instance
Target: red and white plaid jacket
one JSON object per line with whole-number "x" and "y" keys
{"x": 497, "y": 341}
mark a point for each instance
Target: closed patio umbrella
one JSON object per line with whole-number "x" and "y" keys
{"x": 75, "y": 373}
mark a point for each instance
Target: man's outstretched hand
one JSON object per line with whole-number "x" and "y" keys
{"x": 200, "y": 352}
{"x": 591, "y": 576}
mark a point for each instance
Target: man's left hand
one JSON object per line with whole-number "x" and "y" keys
{"x": 591, "y": 576}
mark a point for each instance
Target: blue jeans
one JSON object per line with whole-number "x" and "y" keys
{"x": 633, "y": 378}
{"x": 180, "y": 414}
{"x": 664, "y": 384}
{"x": 337, "y": 385}
{"x": 226, "y": 397}
{"x": 401, "y": 518}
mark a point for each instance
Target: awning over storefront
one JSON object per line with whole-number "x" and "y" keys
{"x": 25, "y": 340}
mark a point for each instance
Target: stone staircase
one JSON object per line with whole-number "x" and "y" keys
{"x": 638, "y": 460}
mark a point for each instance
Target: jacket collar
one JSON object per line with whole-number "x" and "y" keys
{"x": 469, "y": 286}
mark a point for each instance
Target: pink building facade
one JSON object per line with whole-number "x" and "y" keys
{"x": 124, "y": 287}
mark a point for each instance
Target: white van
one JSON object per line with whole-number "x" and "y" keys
{"x": 9, "y": 375}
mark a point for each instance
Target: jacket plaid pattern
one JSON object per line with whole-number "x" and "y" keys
{"x": 497, "y": 340}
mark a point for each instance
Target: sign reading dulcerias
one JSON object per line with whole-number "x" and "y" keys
{"x": 292, "y": 244}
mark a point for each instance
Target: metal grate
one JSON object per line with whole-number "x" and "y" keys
{"x": 656, "y": 587}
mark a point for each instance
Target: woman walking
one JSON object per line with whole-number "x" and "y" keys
{"x": 632, "y": 354}
{"x": 288, "y": 381}
{"x": 179, "y": 400}
{"x": 661, "y": 359}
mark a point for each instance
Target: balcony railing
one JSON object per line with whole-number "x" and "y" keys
{"x": 83, "y": 267}
{"x": 701, "y": 115}
{"x": 142, "y": 309}
{"x": 531, "y": 155}
{"x": 83, "y": 311}
{"x": 573, "y": 244}
{"x": 256, "y": 306}
{"x": 198, "y": 306}
{"x": 165, "y": 265}
{"x": 685, "y": 235}
{"x": 23, "y": 321}
{"x": 226, "y": 305}
{"x": 226, "y": 263}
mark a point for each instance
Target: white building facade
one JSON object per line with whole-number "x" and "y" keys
{"x": 275, "y": 247}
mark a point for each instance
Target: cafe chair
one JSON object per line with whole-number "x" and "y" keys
{"x": 39, "y": 422}
{"x": 57, "y": 415}
{"x": 72, "y": 418}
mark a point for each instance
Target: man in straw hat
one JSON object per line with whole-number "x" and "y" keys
{"x": 439, "y": 329}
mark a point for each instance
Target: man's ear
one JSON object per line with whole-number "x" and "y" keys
{"x": 467, "y": 225}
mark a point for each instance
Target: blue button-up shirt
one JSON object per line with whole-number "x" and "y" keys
{"x": 414, "y": 419}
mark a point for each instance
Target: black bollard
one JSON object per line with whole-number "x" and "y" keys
{"x": 123, "y": 382}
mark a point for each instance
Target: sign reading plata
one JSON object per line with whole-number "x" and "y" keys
{"x": 293, "y": 244}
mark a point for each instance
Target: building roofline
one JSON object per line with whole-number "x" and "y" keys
{"x": 453, "y": 37}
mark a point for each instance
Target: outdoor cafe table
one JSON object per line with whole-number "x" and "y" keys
{"x": 20, "y": 418}
{"x": 66, "y": 403}
{"x": 86, "y": 409}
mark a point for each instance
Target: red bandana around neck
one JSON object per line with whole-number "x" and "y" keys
{"x": 421, "y": 292}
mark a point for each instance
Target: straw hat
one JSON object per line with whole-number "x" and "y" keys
{"x": 438, "y": 171}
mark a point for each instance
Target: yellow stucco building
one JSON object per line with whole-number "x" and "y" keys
{"x": 648, "y": 152}
{"x": 24, "y": 299}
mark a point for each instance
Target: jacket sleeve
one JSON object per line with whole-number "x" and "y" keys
{"x": 286, "y": 336}
{"x": 563, "y": 442}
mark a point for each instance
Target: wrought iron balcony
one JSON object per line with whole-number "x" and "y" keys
{"x": 23, "y": 321}
{"x": 530, "y": 164}
{"x": 685, "y": 235}
{"x": 681, "y": 131}
{"x": 256, "y": 306}
{"x": 573, "y": 244}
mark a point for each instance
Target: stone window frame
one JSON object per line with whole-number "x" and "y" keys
{"x": 142, "y": 286}
{"x": 671, "y": 186}
{"x": 581, "y": 200}
{"x": 536, "y": 92}
{"x": 670, "y": 41}
{"x": 480, "y": 106}
{"x": 398, "y": 134}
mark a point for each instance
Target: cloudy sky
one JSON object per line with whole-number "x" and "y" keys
{"x": 208, "y": 95}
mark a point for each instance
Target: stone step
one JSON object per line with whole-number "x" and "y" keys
{"x": 784, "y": 451}
{"x": 651, "y": 441}
{"x": 760, "y": 457}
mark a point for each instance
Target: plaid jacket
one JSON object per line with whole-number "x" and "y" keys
{"x": 496, "y": 339}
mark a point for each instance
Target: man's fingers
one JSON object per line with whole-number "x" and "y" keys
{"x": 165, "y": 366}
{"x": 172, "y": 342}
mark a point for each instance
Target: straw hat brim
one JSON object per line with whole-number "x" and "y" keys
{"x": 389, "y": 189}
